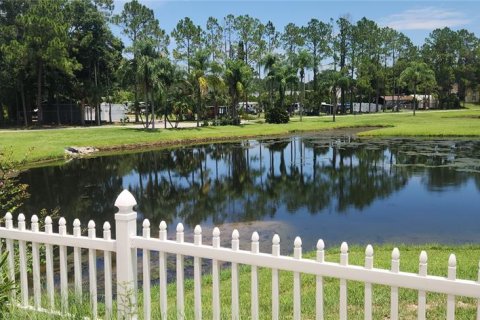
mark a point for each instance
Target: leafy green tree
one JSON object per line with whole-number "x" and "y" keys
{"x": 200, "y": 64}
{"x": 217, "y": 88}
{"x": 46, "y": 39}
{"x": 418, "y": 73}
{"x": 343, "y": 37}
{"x": 292, "y": 38}
{"x": 188, "y": 39}
{"x": 317, "y": 35}
{"x": 401, "y": 49}
{"x": 369, "y": 39}
{"x": 137, "y": 22}
{"x": 96, "y": 49}
{"x": 467, "y": 75}
{"x": 269, "y": 62}
{"x": 237, "y": 73}
{"x": 441, "y": 51}
{"x": 147, "y": 68}
{"x": 246, "y": 28}
{"x": 14, "y": 59}
{"x": 229, "y": 36}
{"x": 279, "y": 74}
{"x": 214, "y": 39}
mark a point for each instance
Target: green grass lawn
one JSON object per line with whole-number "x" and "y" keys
{"x": 38, "y": 145}
{"x": 467, "y": 260}
{"x": 467, "y": 268}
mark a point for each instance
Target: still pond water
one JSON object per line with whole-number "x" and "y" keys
{"x": 338, "y": 188}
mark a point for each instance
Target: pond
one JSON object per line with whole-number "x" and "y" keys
{"x": 336, "y": 187}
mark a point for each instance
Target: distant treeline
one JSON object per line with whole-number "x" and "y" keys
{"x": 60, "y": 52}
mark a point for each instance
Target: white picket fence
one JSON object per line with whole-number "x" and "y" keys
{"x": 125, "y": 247}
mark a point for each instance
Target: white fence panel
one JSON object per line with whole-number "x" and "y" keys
{"x": 125, "y": 270}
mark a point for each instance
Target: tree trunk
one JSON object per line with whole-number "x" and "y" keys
{"x": 58, "y": 111}
{"x": 414, "y": 97}
{"x": 24, "y": 107}
{"x": 39, "y": 93}
{"x": 97, "y": 103}
{"x": 2, "y": 118}
{"x": 303, "y": 98}
{"x": 110, "y": 111}
{"x": 153, "y": 112}
{"x": 147, "y": 110}
{"x": 334, "y": 111}
{"x": 198, "y": 108}
{"x": 82, "y": 112}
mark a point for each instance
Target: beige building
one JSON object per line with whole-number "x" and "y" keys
{"x": 472, "y": 96}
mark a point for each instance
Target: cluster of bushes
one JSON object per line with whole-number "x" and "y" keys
{"x": 277, "y": 114}
{"x": 226, "y": 121}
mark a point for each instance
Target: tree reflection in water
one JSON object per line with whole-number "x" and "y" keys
{"x": 253, "y": 180}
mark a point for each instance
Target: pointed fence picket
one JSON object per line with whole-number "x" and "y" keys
{"x": 319, "y": 281}
{"x": 254, "y": 278}
{"x": 197, "y": 265}
{"x": 180, "y": 274}
{"x": 33, "y": 243}
{"x": 394, "y": 289}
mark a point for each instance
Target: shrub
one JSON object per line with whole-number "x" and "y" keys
{"x": 6, "y": 287}
{"x": 226, "y": 121}
{"x": 12, "y": 192}
{"x": 277, "y": 115}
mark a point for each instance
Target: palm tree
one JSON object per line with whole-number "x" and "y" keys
{"x": 199, "y": 66}
{"x": 269, "y": 62}
{"x": 147, "y": 65}
{"x": 304, "y": 60}
{"x": 216, "y": 84}
{"x": 237, "y": 74}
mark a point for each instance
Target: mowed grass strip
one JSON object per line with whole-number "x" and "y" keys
{"x": 468, "y": 257}
{"x": 39, "y": 145}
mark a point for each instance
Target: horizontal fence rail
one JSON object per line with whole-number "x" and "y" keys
{"x": 40, "y": 261}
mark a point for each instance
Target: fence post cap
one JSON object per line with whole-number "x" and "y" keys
{"x": 21, "y": 217}
{"x": 452, "y": 261}
{"x": 216, "y": 232}
{"x": 146, "y": 223}
{"x": 235, "y": 234}
{"x": 276, "y": 239}
{"x": 344, "y": 247}
{"x": 369, "y": 251}
{"x": 298, "y": 242}
{"x": 163, "y": 225}
{"x": 395, "y": 254}
{"x": 34, "y": 219}
{"x": 198, "y": 229}
{"x": 48, "y": 220}
{"x": 423, "y": 257}
{"x": 255, "y": 236}
{"x": 76, "y": 223}
{"x": 125, "y": 200}
{"x": 320, "y": 244}
{"x": 180, "y": 227}
{"x": 8, "y": 216}
{"x": 106, "y": 226}
{"x": 91, "y": 224}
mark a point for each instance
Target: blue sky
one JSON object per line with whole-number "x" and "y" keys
{"x": 414, "y": 18}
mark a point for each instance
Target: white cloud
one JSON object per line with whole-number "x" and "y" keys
{"x": 428, "y": 18}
